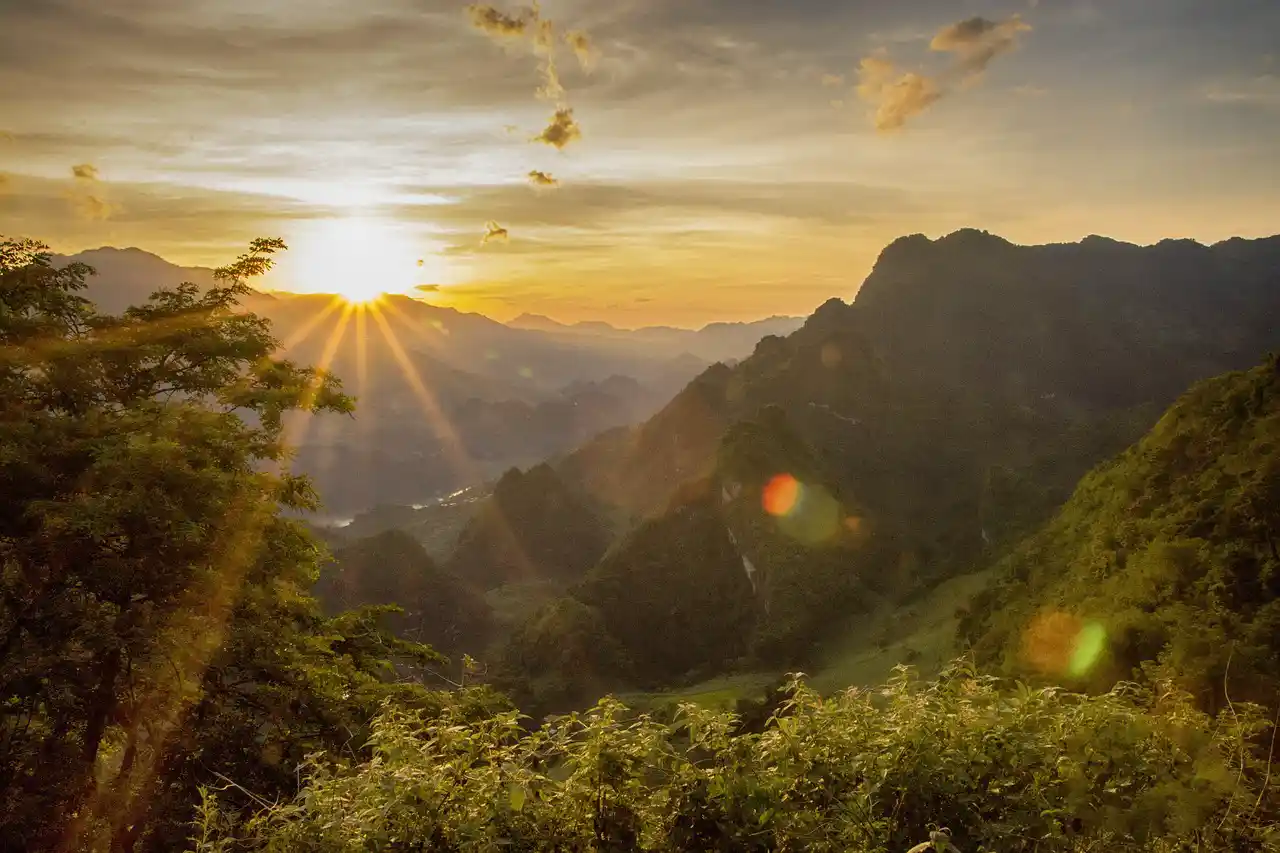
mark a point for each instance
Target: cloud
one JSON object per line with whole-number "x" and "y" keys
{"x": 427, "y": 288}
{"x": 562, "y": 130}
{"x": 86, "y": 200}
{"x": 500, "y": 24}
{"x": 4, "y": 183}
{"x": 583, "y": 48}
{"x": 542, "y": 179}
{"x": 896, "y": 95}
{"x": 92, "y": 206}
{"x": 833, "y": 79}
{"x": 494, "y": 231}
{"x": 975, "y": 42}
{"x": 899, "y": 96}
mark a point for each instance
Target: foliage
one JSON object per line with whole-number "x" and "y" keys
{"x": 532, "y": 527}
{"x": 392, "y": 568}
{"x": 154, "y": 632}
{"x": 561, "y": 658}
{"x": 674, "y": 595}
{"x": 875, "y": 770}
{"x": 1171, "y": 548}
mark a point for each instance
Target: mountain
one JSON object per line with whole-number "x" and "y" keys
{"x": 446, "y": 399}
{"x": 969, "y": 371}
{"x": 392, "y": 568}
{"x": 912, "y": 434}
{"x": 129, "y": 276}
{"x": 712, "y": 343}
{"x": 1166, "y": 558}
{"x": 531, "y": 528}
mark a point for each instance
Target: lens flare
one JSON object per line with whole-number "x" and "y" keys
{"x": 807, "y": 513}
{"x": 1062, "y": 644}
{"x": 781, "y": 495}
{"x": 1089, "y": 646}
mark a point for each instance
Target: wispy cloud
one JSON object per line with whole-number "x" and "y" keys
{"x": 900, "y": 95}
{"x": 87, "y": 200}
{"x": 583, "y": 48}
{"x": 1262, "y": 90}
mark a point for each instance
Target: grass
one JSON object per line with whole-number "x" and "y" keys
{"x": 721, "y": 694}
{"x": 920, "y": 632}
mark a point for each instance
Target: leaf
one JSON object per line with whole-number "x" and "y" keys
{"x": 517, "y": 794}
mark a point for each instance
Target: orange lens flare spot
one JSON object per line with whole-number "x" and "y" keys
{"x": 781, "y": 495}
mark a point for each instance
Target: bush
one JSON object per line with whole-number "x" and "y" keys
{"x": 883, "y": 770}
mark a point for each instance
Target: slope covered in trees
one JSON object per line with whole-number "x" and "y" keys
{"x": 972, "y": 381}
{"x": 439, "y": 609}
{"x": 532, "y": 527}
{"x": 1165, "y": 559}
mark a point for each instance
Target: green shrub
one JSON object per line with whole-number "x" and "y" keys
{"x": 989, "y": 766}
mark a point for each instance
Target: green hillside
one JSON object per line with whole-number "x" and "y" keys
{"x": 1164, "y": 560}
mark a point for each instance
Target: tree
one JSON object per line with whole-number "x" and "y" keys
{"x": 142, "y": 550}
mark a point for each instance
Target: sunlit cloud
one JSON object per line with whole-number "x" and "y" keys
{"x": 896, "y": 95}
{"x": 899, "y": 95}
{"x": 562, "y": 129}
{"x": 494, "y": 232}
{"x": 498, "y": 23}
{"x": 542, "y": 179}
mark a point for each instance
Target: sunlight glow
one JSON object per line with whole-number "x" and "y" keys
{"x": 358, "y": 258}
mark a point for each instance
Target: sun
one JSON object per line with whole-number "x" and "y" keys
{"x": 357, "y": 258}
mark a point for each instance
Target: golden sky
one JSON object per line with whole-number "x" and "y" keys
{"x": 736, "y": 158}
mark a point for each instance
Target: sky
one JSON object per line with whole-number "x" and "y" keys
{"x": 684, "y": 162}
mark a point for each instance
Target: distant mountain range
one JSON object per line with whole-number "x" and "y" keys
{"x": 446, "y": 398}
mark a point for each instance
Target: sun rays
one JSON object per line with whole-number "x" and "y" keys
{"x": 365, "y": 319}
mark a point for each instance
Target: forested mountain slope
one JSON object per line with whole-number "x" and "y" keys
{"x": 1170, "y": 553}
{"x": 972, "y": 381}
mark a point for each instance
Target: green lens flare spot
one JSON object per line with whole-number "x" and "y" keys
{"x": 1090, "y": 643}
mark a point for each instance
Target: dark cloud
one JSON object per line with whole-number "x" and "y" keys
{"x": 561, "y": 130}
{"x": 428, "y": 288}
{"x": 542, "y": 179}
{"x": 975, "y": 42}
